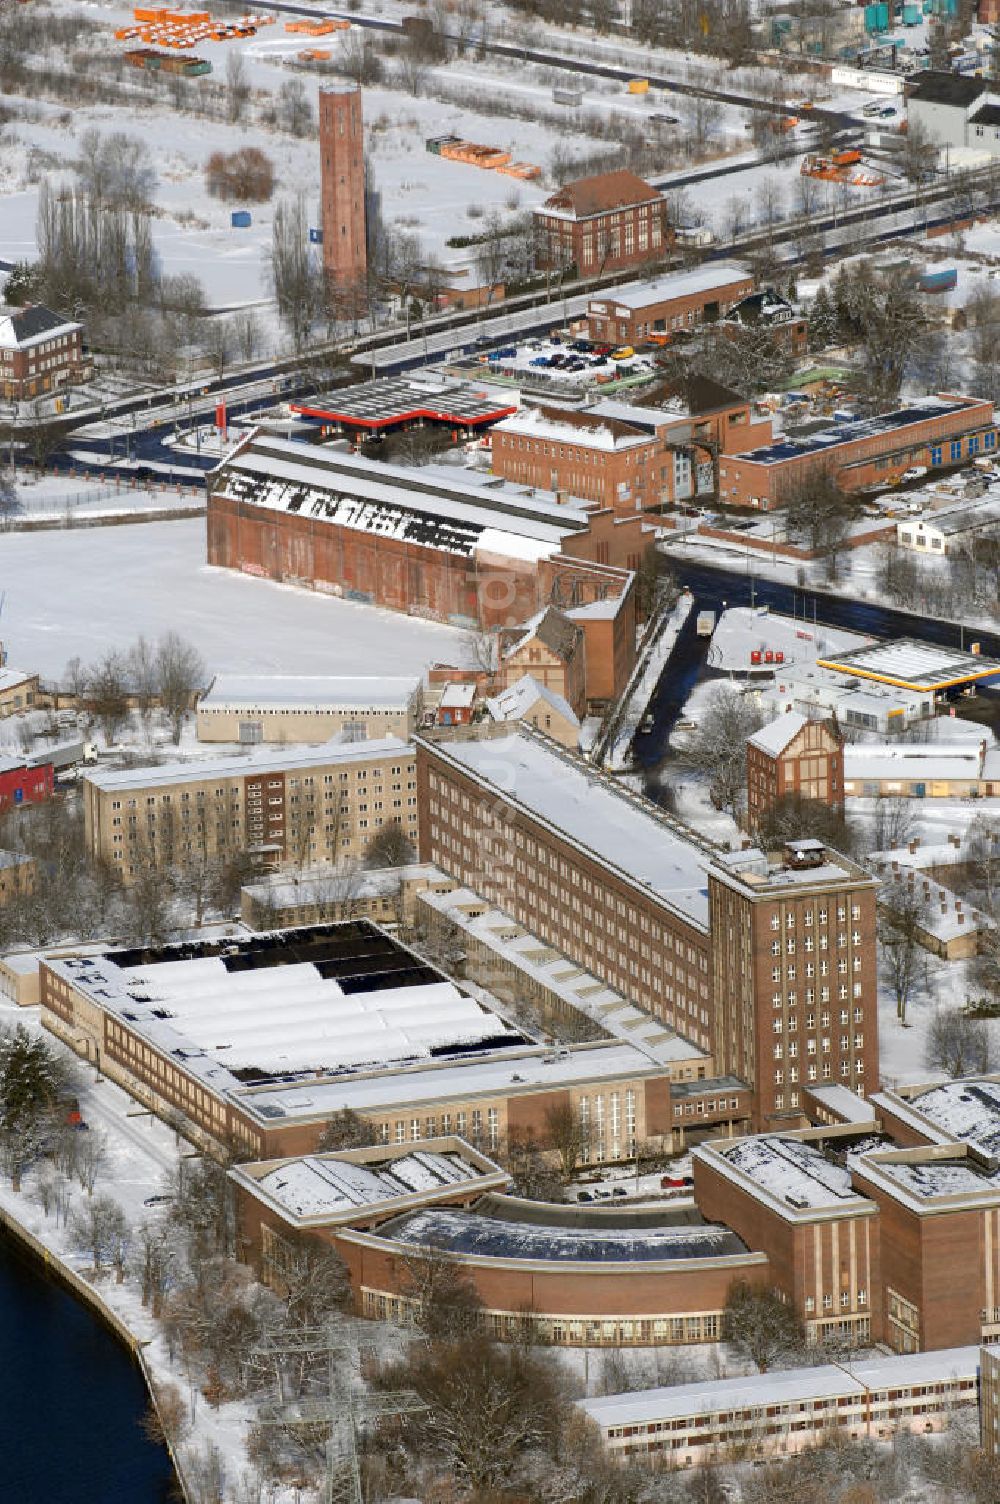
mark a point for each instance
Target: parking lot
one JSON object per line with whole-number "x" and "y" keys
{"x": 568, "y": 361}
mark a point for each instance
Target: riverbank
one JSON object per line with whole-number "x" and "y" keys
{"x": 141, "y": 1152}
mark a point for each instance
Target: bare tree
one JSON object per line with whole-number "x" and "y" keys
{"x": 99, "y": 1225}
{"x": 90, "y": 1159}
{"x": 237, "y": 86}
{"x": 107, "y": 694}
{"x": 718, "y": 747}
{"x": 389, "y": 847}
{"x": 180, "y": 671}
{"x": 819, "y": 513}
{"x": 297, "y": 280}
{"x": 564, "y": 1132}
{"x": 892, "y": 822}
{"x": 347, "y": 1129}
{"x": 958, "y": 1044}
{"x": 902, "y": 918}
{"x": 143, "y": 681}
{"x": 760, "y": 1326}
{"x": 295, "y": 113}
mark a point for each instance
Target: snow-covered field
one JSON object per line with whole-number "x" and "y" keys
{"x": 88, "y": 592}
{"x": 63, "y": 497}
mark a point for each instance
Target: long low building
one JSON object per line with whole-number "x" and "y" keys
{"x": 780, "y": 1413}
{"x": 281, "y": 806}
{"x": 933, "y": 431}
{"x": 630, "y": 314}
{"x": 921, "y": 770}
{"x": 253, "y": 708}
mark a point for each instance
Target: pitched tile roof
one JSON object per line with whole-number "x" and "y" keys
{"x": 608, "y": 190}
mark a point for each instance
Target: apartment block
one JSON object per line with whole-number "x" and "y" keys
{"x": 600, "y": 874}
{"x": 302, "y": 806}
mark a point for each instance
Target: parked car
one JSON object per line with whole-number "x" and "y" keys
{"x": 619, "y": 1190}
{"x": 914, "y": 472}
{"x": 676, "y": 1183}
{"x": 584, "y": 1196}
{"x": 624, "y": 352}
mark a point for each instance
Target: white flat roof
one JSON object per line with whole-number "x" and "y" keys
{"x": 673, "y": 285}
{"x": 844, "y": 1102}
{"x": 574, "y": 800}
{"x": 309, "y": 692}
{"x": 906, "y": 760}
{"x": 268, "y": 760}
{"x": 534, "y": 1067}
{"x": 912, "y": 664}
{"x": 785, "y": 1387}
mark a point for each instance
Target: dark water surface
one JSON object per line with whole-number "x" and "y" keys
{"x": 71, "y": 1400}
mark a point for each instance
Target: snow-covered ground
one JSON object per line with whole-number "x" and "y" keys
{"x": 89, "y": 592}
{"x": 741, "y": 631}
{"x": 63, "y": 498}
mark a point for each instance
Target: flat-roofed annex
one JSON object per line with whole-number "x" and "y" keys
{"x": 908, "y": 663}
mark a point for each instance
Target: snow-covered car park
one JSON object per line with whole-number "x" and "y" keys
{"x": 574, "y": 361}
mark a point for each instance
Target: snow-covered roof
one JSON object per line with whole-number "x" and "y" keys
{"x": 966, "y": 1111}
{"x": 324, "y": 1185}
{"x": 491, "y": 1237}
{"x": 325, "y": 884}
{"x": 912, "y": 664}
{"x": 513, "y": 703}
{"x": 591, "y": 811}
{"x": 456, "y": 696}
{"x": 715, "y": 274}
{"x": 777, "y": 734}
{"x": 24, "y": 328}
{"x": 272, "y": 759}
{"x": 329, "y": 1000}
{"x": 486, "y": 1075}
{"x": 785, "y": 1387}
{"x": 437, "y": 510}
{"x": 794, "y": 1176}
{"x": 239, "y": 692}
{"x": 11, "y": 678}
{"x": 839, "y": 1099}
{"x": 907, "y": 761}
{"x": 534, "y": 423}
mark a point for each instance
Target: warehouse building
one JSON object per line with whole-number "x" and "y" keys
{"x": 640, "y": 312}
{"x": 469, "y": 548}
{"x": 307, "y": 708}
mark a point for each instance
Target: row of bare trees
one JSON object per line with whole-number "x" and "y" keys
{"x": 164, "y": 675}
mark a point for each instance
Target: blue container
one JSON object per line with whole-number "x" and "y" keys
{"x": 941, "y": 281}
{"x": 240, "y": 219}
{"x": 315, "y": 236}
{"x": 912, "y": 15}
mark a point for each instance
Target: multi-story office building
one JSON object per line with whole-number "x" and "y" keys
{"x": 302, "y": 806}
{"x": 793, "y": 974}
{"x": 768, "y": 963}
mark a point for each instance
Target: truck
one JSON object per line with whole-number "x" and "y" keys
{"x": 566, "y": 94}
{"x": 705, "y": 623}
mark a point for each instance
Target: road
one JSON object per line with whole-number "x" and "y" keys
{"x": 714, "y": 588}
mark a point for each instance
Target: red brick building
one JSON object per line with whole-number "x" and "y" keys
{"x": 423, "y": 542}
{"x": 628, "y": 458}
{"x": 932, "y": 431}
{"x": 600, "y": 223}
{"x": 552, "y": 649}
{"x": 639, "y": 313}
{"x": 793, "y": 756}
{"x": 793, "y": 975}
{"x": 342, "y": 187}
{"x": 39, "y": 350}
{"x": 23, "y": 783}
{"x": 652, "y": 1282}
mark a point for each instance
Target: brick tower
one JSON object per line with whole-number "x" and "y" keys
{"x": 342, "y": 174}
